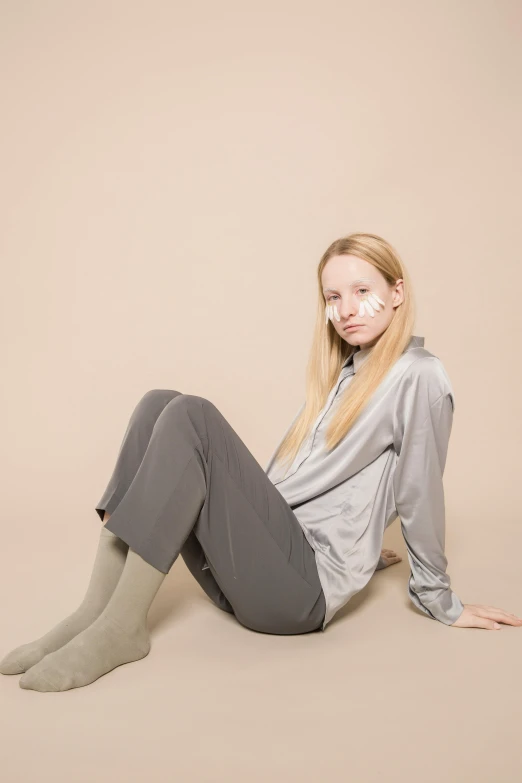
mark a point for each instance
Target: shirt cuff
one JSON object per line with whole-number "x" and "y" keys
{"x": 446, "y": 607}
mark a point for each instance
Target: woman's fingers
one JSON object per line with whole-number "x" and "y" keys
{"x": 388, "y": 557}
{"x": 482, "y": 616}
{"x": 494, "y": 613}
{"x": 390, "y": 553}
{"x": 497, "y": 609}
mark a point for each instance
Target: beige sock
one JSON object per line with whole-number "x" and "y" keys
{"x": 108, "y": 566}
{"x": 119, "y": 635}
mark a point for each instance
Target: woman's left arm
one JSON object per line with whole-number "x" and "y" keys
{"x": 423, "y": 418}
{"x": 422, "y": 431}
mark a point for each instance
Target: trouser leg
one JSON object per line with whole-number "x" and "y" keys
{"x": 197, "y": 476}
{"x": 133, "y": 447}
{"x": 132, "y": 450}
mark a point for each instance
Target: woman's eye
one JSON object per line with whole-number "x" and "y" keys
{"x": 359, "y": 290}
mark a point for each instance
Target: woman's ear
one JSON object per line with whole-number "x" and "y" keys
{"x": 398, "y": 293}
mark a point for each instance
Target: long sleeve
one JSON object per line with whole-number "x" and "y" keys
{"x": 422, "y": 428}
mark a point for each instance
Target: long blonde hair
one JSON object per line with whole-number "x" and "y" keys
{"x": 329, "y": 351}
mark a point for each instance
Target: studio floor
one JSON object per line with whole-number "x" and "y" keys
{"x": 383, "y": 694}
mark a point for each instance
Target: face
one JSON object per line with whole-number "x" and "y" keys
{"x": 356, "y": 288}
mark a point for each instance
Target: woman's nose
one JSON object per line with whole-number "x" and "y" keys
{"x": 348, "y": 307}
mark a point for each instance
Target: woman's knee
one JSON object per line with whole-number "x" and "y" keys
{"x": 167, "y": 416}
{"x": 153, "y": 396}
{"x": 190, "y": 402}
{"x": 150, "y": 405}
{"x": 154, "y": 400}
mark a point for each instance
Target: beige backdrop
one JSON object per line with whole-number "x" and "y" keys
{"x": 171, "y": 175}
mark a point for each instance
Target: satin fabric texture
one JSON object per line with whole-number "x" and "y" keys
{"x": 390, "y": 464}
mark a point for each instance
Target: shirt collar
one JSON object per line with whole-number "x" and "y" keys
{"x": 361, "y": 354}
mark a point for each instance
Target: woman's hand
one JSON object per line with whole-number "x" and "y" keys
{"x": 483, "y": 616}
{"x": 388, "y": 557}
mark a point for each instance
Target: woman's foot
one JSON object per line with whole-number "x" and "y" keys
{"x": 26, "y": 655}
{"x": 108, "y": 566}
{"x": 98, "y": 649}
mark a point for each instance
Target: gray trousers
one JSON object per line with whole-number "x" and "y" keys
{"x": 185, "y": 483}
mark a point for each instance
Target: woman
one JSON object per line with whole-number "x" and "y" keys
{"x": 281, "y": 549}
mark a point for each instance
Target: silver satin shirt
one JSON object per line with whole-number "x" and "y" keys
{"x": 390, "y": 464}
